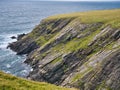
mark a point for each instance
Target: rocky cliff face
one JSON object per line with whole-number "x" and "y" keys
{"x": 68, "y": 52}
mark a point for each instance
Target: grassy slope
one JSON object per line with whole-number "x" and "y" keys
{"x": 8, "y": 82}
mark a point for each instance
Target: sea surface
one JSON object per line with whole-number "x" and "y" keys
{"x": 18, "y": 17}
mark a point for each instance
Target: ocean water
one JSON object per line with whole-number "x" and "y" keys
{"x": 18, "y": 17}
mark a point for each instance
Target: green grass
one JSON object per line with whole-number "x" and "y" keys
{"x": 58, "y": 59}
{"x": 41, "y": 40}
{"x": 8, "y": 82}
{"x": 109, "y": 17}
{"x": 103, "y": 86}
{"x": 82, "y": 43}
{"x": 82, "y": 74}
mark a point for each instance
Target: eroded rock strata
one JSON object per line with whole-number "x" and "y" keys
{"x": 68, "y": 52}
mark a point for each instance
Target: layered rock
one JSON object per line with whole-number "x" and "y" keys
{"x": 68, "y": 52}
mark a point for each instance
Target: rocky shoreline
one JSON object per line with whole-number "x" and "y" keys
{"x": 21, "y": 51}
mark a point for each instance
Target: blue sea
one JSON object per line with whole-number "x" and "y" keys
{"x": 18, "y": 17}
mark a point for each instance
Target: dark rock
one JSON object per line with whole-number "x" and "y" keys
{"x": 20, "y": 36}
{"x": 22, "y": 50}
{"x": 116, "y": 35}
{"x": 13, "y": 37}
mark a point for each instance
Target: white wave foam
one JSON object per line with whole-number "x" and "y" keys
{"x": 6, "y": 39}
{"x": 8, "y": 65}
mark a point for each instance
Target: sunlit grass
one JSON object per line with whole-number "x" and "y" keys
{"x": 8, "y": 82}
{"x": 111, "y": 17}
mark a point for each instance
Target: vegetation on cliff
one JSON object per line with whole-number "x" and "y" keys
{"x": 108, "y": 17}
{"x": 79, "y": 50}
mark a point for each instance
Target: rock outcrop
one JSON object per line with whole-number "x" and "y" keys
{"x": 68, "y": 52}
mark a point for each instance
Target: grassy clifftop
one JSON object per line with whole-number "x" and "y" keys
{"x": 8, "y": 82}
{"x": 111, "y": 17}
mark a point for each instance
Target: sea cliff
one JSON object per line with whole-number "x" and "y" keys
{"x": 80, "y": 50}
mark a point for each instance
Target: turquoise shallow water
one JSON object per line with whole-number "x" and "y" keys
{"x": 18, "y": 17}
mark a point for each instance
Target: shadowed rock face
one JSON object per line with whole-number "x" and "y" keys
{"x": 73, "y": 54}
